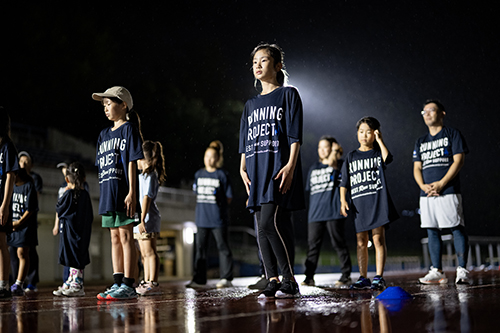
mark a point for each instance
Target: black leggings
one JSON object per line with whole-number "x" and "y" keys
{"x": 275, "y": 240}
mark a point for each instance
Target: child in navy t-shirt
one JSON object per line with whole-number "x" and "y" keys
{"x": 270, "y": 140}
{"x": 24, "y": 237}
{"x": 363, "y": 175}
{"x": 8, "y": 168}
{"x": 118, "y": 149}
{"x": 74, "y": 209}
{"x": 213, "y": 195}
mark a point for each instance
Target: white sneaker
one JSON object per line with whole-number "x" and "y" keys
{"x": 434, "y": 277}
{"x": 74, "y": 291}
{"x": 462, "y": 276}
{"x": 59, "y": 291}
{"x": 224, "y": 283}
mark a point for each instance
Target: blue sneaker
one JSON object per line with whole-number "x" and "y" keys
{"x": 362, "y": 283}
{"x": 124, "y": 292}
{"x": 378, "y": 283}
{"x": 31, "y": 288}
{"x": 102, "y": 296}
{"x": 17, "y": 290}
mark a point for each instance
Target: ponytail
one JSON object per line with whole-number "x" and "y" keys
{"x": 134, "y": 118}
{"x": 153, "y": 153}
{"x": 219, "y": 148}
{"x": 76, "y": 175}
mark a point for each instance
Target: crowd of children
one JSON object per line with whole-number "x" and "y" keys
{"x": 130, "y": 171}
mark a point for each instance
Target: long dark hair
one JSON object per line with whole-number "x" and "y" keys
{"x": 278, "y": 56}
{"x": 153, "y": 153}
{"x": 76, "y": 175}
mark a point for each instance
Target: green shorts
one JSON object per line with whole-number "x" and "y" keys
{"x": 117, "y": 219}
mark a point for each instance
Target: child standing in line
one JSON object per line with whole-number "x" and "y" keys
{"x": 214, "y": 194}
{"x": 9, "y": 165}
{"x": 363, "y": 174}
{"x": 74, "y": 209}
{"x": 152, "y": 175}
{"x": 270, "y": 140}
{"x": 324, "y": 211}
{"x": 24, "y": 237}
{"x": 118, "y": 149}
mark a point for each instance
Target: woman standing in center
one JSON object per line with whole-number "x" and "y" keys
{"x": 270, "y": 139}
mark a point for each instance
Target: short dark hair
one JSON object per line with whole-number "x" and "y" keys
{"x": 435, "y": 101}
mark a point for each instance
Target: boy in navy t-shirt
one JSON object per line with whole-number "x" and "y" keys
{"x": 437, "y": 159}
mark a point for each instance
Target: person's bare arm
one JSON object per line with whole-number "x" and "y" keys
{"x": 286, "y": 173}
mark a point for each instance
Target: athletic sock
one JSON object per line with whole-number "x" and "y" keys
{"x": 19, "y": 283}
{"x": 129, "y": 282}
{"x": 118, "y": 278}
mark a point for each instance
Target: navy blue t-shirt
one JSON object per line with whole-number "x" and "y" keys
{"x": 212, "y": 191}
{"x": 24, "y": 198}
{"x": 115, "y": 149}
{"x": 37, "y": 180}
{"x": 436, "y": 154}
{"x": 269, "y": 125}
{"x": 75, "y": 228}
{"x": 8, "y": 163}
{"x": 324, "y": 197}
{"x": 363, "y": 174}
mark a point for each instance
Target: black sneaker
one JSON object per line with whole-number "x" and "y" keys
{"x": 378, "y": 283}
{"x": 261, "y": 284}
{"x": 5, "y": 293}
{"x": 362, "y": 283}
{"x": 308, "y": 282}
{"x": 270, "y": 290}
{"x": 344, "y": 281}
{"x": 289, "y": 289}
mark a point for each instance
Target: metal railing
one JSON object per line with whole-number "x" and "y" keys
{"x": 476, "y": 243}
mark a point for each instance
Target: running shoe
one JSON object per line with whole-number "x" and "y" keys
{"x": 5, "y": 293}
{"x": 270, "y": 291}
{"x": 224, "y": 283}
{"x": 362, "y": 283}
{"x": 74, "y": 291}
{"x": 344, "y": 281}
{"x": 17, "y": 290}
{"x": 193, "y": 284}
{"x": 378, "y": 283}
{"x": 31, "y": 288}
{"x": 102, "y": 296}
{"x": 59, "y": 291}
{"x": 288, "y": 289}
{"x": 434, "y": 277}
{"x": 308, "y": 282}
{"x": 122, "y": 293}
{"x": 462, "y": 276}
{"x": 148, "y": 289}
{"x": 259, "y": 284}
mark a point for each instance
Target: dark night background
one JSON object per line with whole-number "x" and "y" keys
{"x": 187, "y": 66}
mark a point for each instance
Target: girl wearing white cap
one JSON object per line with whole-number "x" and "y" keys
{"x": 118, "y": 149}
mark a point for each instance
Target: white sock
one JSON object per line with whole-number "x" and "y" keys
{"x": 19, "y": 283}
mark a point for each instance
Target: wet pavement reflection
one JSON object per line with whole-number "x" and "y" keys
{"x": 323, "y": 308}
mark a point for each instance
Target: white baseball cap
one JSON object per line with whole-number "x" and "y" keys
{"x": 119, "y": 92}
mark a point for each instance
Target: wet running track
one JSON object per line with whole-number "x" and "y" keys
{"x": 447, "y": 308}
